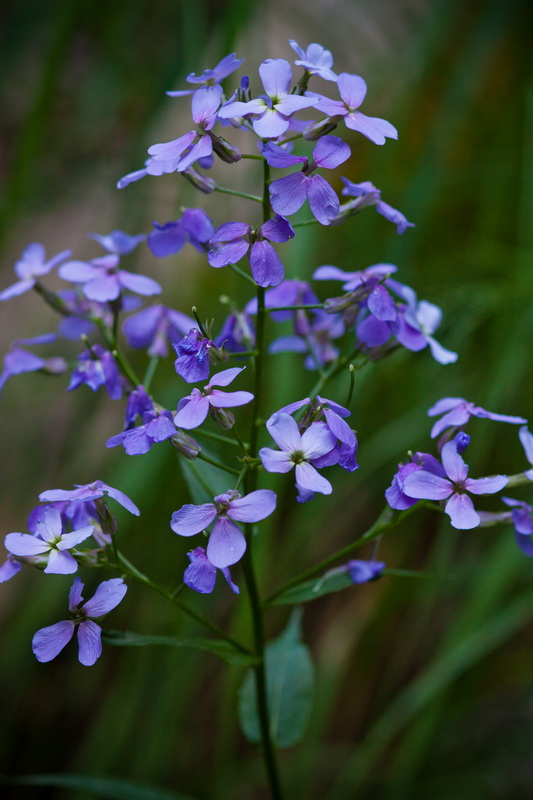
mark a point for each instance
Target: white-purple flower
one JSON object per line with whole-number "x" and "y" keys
{"x": 270, "y": 114}
{"x": 31, "y": 266}
{"x": 192, "y": 362}
{"x": 233, "y": 240}
{"x": 226, "y": 543}
{"x": 201, "y": 574}
{"x": 457, "y": 412}
{"x": 210, "y": 77}
{"x": 97, "y": 367}
{"x": 395, "y": 495}
{"x": 102, "y": 280}
{"x": 157, "y": 427}
{"x": 316, "y": 60}
{"x": 193, "y": 409}
{"x": 118, "y": 242}
{"x": 298, "y": 451}
{"x": 193, "y": 226}
{"x": 89, "y": 491}
{"x": 288, "y": 194}
{"x": 424, "y": 485}
{"x": 49, "y": 543}
{"x": 352, "y": 89}
{"x": 368, "y": 195}
{"x": 49, "y": 642}
{"x": 416, "y": 324}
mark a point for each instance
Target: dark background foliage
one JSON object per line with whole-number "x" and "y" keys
{"x": 424, "y": 685}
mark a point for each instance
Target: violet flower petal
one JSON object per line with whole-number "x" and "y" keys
{"x": 49, "y": 642}
{"x": 461, "y": 511}
{"x": 107, "y": 597}
{"x": 308, "y": 478}
{"x": 254, "y": 507}
{"x": 89, "y": 642}
{"x": 191, "y": 519}
{"x": 226, "y": 544}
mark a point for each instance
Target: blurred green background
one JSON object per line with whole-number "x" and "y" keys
{"x": 425, "y": 686}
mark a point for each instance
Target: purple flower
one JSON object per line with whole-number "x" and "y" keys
{"x": 19, "y": 360}
{"x": 226, "y": 543}
{"x": 270, "y": 114}
{"x": 299, "y": 451}
{"x": 193, "y": 409}
{"x": 237, "y": 333}
{"x": 352, "y": 89}
{"x": 89, "y": 491}
{"x": 313, "y": 336}
{"x": 233, "y": 240}
{"x": 288, "y": 194}
{"x": 97, "y": 367}
{"x": 364, "y": 571}
{"x": 118, "y": 242}
{"x": 76, "y": 515}
{"x": 422, "y": 484}
{"x": 287, "y": 293}
{"x": 48, "y": 642}
{"x": 102, "y": 280}
{"x": 201, "y": 574}
{"x": 9, "y": 568}
{"x": 50, "y": 543}
{"x": 457, "y": 412}
{"x": 154, "y": 327}
{"x": 416, "y": 324}
{"x": 316, "y": 60}
{"x": 157, "y": 427}
{"x": 31, "y": 266}
{"x": 193, "y": 226}
{"x": 211, "y": 77}
{"x": 396, "y": 497}
{"x": 192, "y": 363}
{"x": 368, "y": 195}
{"x": 521, "y": 515}
{"x": 526, "y": 439}
{"x": 371, "y": 276}
{"x": 181, "y": 153}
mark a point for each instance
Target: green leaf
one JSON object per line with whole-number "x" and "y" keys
{"x": 290, "y": 678}
{"x": 103, "y": 787}
{"x": 225, "y": 650}
{"x": 335, "y": 582}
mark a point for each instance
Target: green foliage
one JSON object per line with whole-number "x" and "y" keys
{"x": 225, "y": 650}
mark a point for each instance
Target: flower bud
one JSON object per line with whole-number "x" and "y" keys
{"x": 186, "y": 445}
{"x": 200, "y": 181}
{"x": 224, "y": 150}
{"x": 318, "y": 129}
{"x": 222, "y": 417}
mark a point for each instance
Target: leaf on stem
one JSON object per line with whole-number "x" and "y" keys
{"x": 225, "y": 650}
{"x": 102, "y": 787}
{"x": 290, "y": 682}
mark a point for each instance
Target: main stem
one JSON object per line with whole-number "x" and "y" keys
{"x": 256, "y": 606}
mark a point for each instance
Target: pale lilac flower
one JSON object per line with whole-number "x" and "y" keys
{"x": 363, "y": 571}
{"x": 314, "y": 336}
{"x": 422, "y": 484}
{"x": 522, "y": 518}
{"x": 287, "y": 293}
{"x": 50, "y": 543}
{"x": 457, "y": 412}
{"x": 298, "y": 451}
{"x": 288, "y": 194}
{"x": 193, "y": 226}
{"x": 97, "y": 367}
{"x": 352, "y": 281}
{"x": 352, "y": 89}
{"x": 233, "y": 240}
{"x": 211, "y": 77}
{"x": 368, "y": 195}
{"x": 89, "y": 491}
{"x": 185, "y": 150}
{"x": 193, "y": 409}
{"x": 526, "y": 439}
{"x": 416, "y": 324}
{"x": 226, "y": 543}
{"x": 271, "y": 114}
{"x": 201, "y": 574}
{"x": 48, "y": 642}
{"x": 9, "y": 568}
{"x": 31, "y": 266}
{"x": 102, "y": 280}
{"x": 316, "y": 60}
{"x": 19, "y": 360}
{"x": 237, "y": 333}
{"x": 118, "y": 242}
{"x": 154, "y": 327}
{"x": 75, "y": 515}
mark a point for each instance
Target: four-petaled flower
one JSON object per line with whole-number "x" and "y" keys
{"x": 102, "y": 279}
{"x": 271, "y": 114}
{"x": 316, "y": 60}
{"x": 424, "y": 485}
{"x": 89, "y": 491}
{"x": 226, "y": 543}
{"x": 49, "y": 542}
{"x": 457, "y": 411}
{"x": 352, "y": 89}
{"x": 288, "y": 194}
{"x": 48, "y": 642}
{"x": 210, "y": 77}
{"x": 299, "y": 451}
{"x": 31, "y": 266}
{"x": 193, "y": 409}
{"x": 201, "y": 574}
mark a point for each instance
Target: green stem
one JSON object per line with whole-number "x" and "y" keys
{"x": 217, "y": 436}
{"x": 235, "y": 193}
{"x": 150, "y": 372}
{"x": 133, "y": 572}
{"x": 387, "y": 520}
{"x": 218, "y": 464}
{"x": 241, "y": 272}
{"x": 306, "y": 307}
{"x": 304, "y": 222}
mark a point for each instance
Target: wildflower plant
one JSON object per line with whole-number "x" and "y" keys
{"x": 306, "y": 442}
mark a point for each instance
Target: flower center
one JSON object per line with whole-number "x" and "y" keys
{"x": 298, "y": 457}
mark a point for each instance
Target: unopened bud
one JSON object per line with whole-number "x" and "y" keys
{"x": 186, "y": 445}
{"x": 222, "y": 417}
{"x": 224, "y": 150}
{"x": 318, "y": 129}
{"x": 199, "y": 180}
